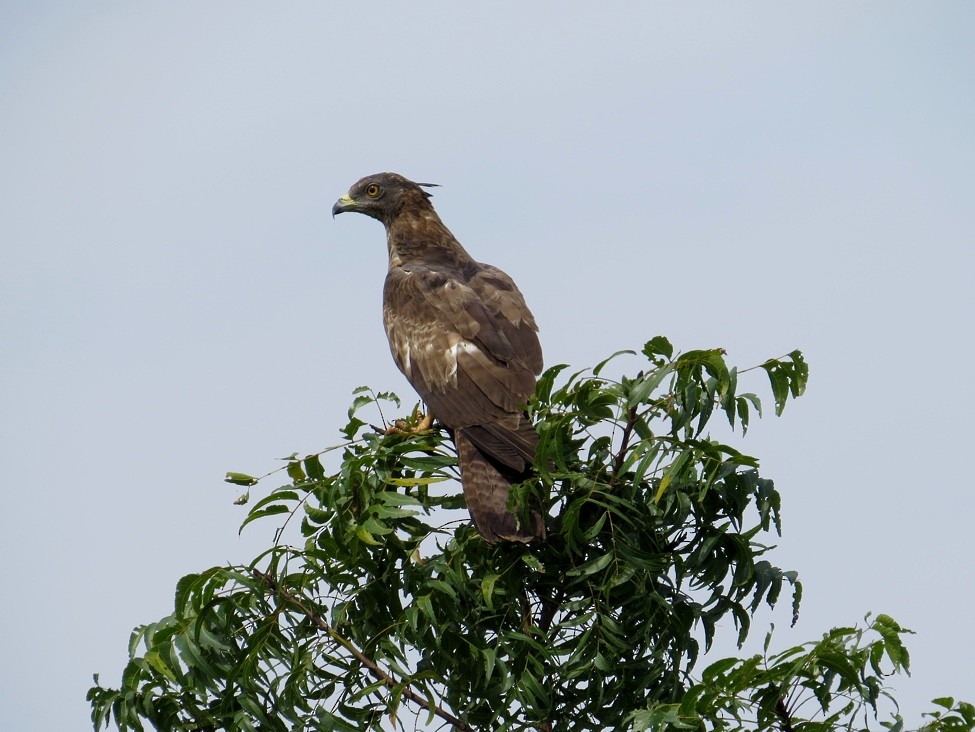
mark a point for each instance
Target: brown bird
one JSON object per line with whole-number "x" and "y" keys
{"x": 461, "y": 333}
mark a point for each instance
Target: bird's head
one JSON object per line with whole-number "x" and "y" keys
{"x": 383, "y": 196}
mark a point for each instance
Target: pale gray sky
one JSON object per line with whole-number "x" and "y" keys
{"x": 176, "y": 301}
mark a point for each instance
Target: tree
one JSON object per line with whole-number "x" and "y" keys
{"x": 389, "y": 606}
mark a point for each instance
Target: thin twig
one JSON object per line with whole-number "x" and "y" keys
{"x": 374, "y": 669}
{"x": 762, "y": 365}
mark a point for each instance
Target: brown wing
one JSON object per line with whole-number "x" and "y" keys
{"x": 469, "y": 346}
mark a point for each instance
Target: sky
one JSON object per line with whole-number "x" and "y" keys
{"x": 176, "y": 300}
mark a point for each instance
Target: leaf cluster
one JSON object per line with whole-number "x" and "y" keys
{"x": 383, "y": 604}
{"x": 836, "y": 683}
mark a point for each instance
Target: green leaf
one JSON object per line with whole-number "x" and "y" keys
{"x": 718, "y": 669}
{"x": 240, "y": 479}
{"x": 426, "y": 607}
{"x": 392, "y": 498}
{"x": 155, "y": 660}
{"x": 417, "y": 480}
{"x": 646, "y": 385}
{"x": 272, "y": 510}
{"x": 891, "y": 632}
{"x": 800, "y": 373}
{"x": 487, "y": 589}
{"x": 295, "y": 472}
{"x": 365, "y": 537}
{"x": 443, "y": 587}
{"x": 374, "y": 526}
{"x": 543, "y": 390}
{"x": 313, "y": 467}
{"x": 658, "y": 346}
{"x": 787, "y": 377}
{"x": 592, "y": 566}
{"x": 490, "y": 662}
{"x": 277, "y": 495}
{"x": 533, "y": 562}
{"x": 602, "y": 364}
{"x": 672, "y": 472}
{"x": 780, "y": 385}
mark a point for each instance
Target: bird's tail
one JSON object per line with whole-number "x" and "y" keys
{"x": 487, "y": 485}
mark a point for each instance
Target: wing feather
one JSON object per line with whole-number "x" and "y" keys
{"x": 459, "y": 349}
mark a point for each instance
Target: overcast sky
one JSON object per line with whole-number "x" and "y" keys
{"x": 176, "y": 300}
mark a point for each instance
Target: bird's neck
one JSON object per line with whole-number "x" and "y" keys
{"x": 421, "y": 236}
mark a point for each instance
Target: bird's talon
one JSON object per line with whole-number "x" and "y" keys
{"x": 403, "y": 427}
{"x": 425, "y": 424}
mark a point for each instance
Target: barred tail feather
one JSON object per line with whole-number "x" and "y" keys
{"x": 486, "y": 489}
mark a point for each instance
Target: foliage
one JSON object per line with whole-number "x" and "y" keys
{"x": 839, "y": 681}
{"x": 388, "y": 603}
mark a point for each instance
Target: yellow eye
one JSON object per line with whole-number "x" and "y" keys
{"x": 372, "y": 190}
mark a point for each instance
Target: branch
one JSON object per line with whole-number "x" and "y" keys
{"x": 549, "y": 605}
{"x": 785, "y": 719}
{"x": 374, "y": 669}
{"x": 624, "y": 442}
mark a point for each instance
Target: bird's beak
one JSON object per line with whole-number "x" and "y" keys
{"x": 345, "y": 203}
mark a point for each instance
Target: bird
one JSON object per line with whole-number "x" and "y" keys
{"x": 463, "y": 336}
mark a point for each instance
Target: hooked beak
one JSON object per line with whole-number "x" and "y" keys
{"x": 345, "y": 203}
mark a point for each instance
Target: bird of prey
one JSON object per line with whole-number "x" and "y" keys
{"x": 461, "y": 333}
